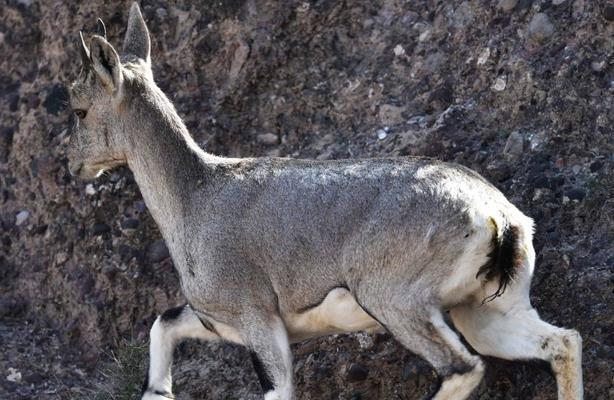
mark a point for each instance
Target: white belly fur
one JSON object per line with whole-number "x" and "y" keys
{"x": 338, "y": 313}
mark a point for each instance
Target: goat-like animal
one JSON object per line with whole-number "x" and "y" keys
{"x": 271, "y": 251}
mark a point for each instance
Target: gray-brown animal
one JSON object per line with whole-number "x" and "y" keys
{"x": 271, "y": 251}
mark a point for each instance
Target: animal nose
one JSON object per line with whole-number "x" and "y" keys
{"x": 74, "y": 168}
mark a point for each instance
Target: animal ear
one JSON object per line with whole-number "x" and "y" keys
{"x": 101, "y": 30}
{"x": 106, "y": 64}
{"x": 136, "y": 41}
{"x": 85, "y": 53}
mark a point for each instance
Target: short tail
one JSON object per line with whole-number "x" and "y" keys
{"x": 504, "y": 258}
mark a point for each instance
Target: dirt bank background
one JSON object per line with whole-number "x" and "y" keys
{"x": 519, "y": 90}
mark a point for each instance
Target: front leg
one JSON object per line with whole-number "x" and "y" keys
{"x": 170, "y": 328}
{"x": 267, "y": 339}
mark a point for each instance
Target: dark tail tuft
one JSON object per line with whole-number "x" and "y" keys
{"x": 504, "y": 259}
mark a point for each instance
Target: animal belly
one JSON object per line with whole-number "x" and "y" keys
{"x": 337, "y": 313}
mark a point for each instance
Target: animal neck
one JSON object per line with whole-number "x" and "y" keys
{"x": 166, "y": 162}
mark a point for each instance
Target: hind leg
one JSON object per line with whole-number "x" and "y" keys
{"x": 423, "y": 330}
{"x": 510, "y": 328}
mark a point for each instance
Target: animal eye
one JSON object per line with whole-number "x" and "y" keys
{"x": 80, "y": 113}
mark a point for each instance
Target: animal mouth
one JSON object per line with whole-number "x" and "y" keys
{"x": 92, "y": 170}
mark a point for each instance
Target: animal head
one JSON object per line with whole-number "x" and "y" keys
{"x": 101, "y": 98}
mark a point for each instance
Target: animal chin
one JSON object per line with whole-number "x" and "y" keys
{"x": 91, "y": 172}
{"x": 96, "y": 170}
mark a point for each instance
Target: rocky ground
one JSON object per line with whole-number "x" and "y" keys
{"x": 521, "y": 91}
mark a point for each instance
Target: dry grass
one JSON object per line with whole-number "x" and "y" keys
{"x": 124, "y": 375}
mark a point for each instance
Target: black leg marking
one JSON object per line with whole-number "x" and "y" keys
{"x": 164, "y": 394}
{"x": 172, "y": 313}
{"x": 145, "y": 382}
{"x": 263, "y": 376}
{"x": 457, "y": 368}
{"x": 434, "y": 389}
{"x": 208, "y": 325}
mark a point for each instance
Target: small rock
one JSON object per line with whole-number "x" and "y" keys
{"x": 86, "y": 283}
{"x": 356, "y": 373}
{"x": 304, "y": 7}
{"x": 483, "y": 57}
{"x": 115, "y": 177}
{"x": 6, "y": 140}
{"x": 40, "y": 229}
{"x": 507, "y": 5}
{"x": 390, "y": 114}
{"x": 268, "y": 138}
{"x": 536, "y": 140}
{"x": 140, "y": 206}
{"x": 608, "y": 12}
{"x": 398, "y": 50}
{"x": 539, "y": 194}
{"x": 576, "y": 169}
{"x": 129, "y": 224}
{"x": 424, "y": 36}
{"x": 326, "y": 155}
{"x": 575, "y": 193}
{"x": 32, "y": 100}
{"x": 161, "y": 13}
{"x": 365, "y": 340}
{"x": 109, "y": 270}
{"x": 125, "y": 252}
{"x": 157, "y": 251}
{"x": 602, "y": 121}
{"x": 100, "y": 228}
{"x": 35, "y": 378}
{"x": 89, "y": 189}
{"x": 598, "y": 66}
{"x": 13, "y": 307}
{"x": 577, "y": 9}
{"x": 61, "y": 258}
{"x": 513, "y": 146}
{"x": 381, "y": 134}
{"x": 463, "y": 16}
{"x": 540, "y": 27}
{"x": 500, "y": 84}
{"x": 499, "y": 170}
{"x": 274, "y": 153}
{"x": 442, "y": 96}
{"x": 13, "y": 101}
{"x": 596, "y": 166}
{"x": 21, "y": 217}
{"x": 14, "y": 375}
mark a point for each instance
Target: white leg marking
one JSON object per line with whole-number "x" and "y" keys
{"x": 460, "y": 386}
{"x": 164, "y": 336}
{"x": 283, "y": 390}
{"x": 153, "y": 396}
{"x": 272, "y": 395}
{"x": 520, "y": 334}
